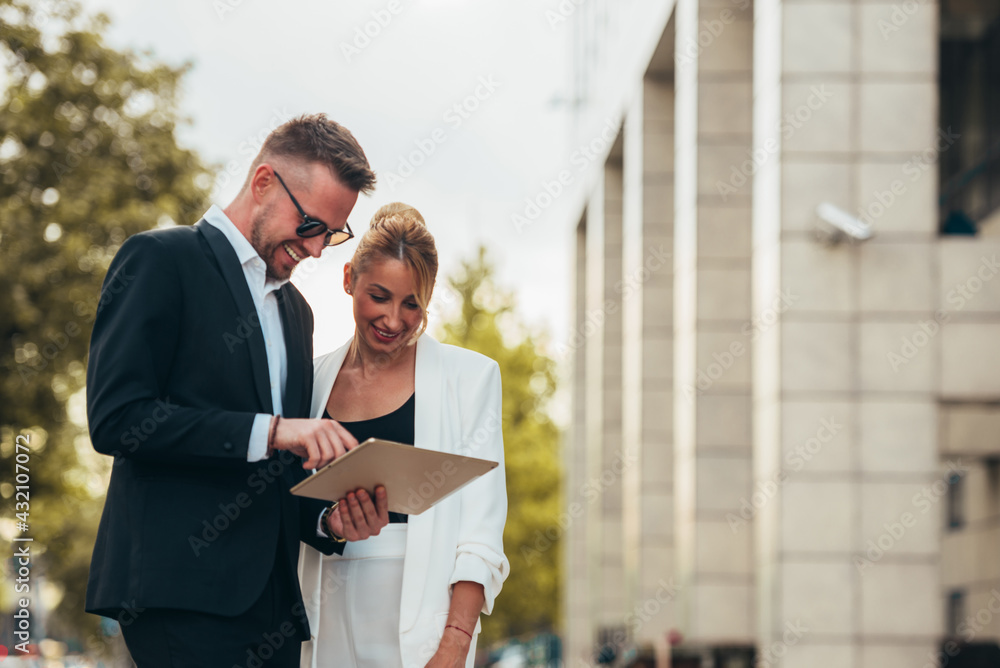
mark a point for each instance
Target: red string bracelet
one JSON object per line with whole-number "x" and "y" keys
{"x": 270, "y": 436}
{"x": 452, "y": 626}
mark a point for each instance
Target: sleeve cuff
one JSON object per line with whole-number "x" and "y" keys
{"x": 319, "y": 526}
{"x": 471, "y": 568}
{"x": 257, "y": 448}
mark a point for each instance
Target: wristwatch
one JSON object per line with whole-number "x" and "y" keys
{"x": 326, "y": 527}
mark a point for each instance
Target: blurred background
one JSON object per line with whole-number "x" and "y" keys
{"x": 734, "y": 258}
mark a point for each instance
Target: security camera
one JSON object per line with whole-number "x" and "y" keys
{"x": 837, "y": 225}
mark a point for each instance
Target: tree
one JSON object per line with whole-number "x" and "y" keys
{"x": 530, "y": 598}
{"x": 88, "y": 156}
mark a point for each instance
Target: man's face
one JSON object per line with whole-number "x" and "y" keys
{"x": 272, "y": 230}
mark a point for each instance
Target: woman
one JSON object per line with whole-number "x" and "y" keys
{"x": 411, "y": 596}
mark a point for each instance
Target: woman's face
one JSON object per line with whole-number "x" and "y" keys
{"x": 386, "y": 312}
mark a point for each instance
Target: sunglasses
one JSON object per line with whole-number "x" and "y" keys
{"x": 312, "y": 227}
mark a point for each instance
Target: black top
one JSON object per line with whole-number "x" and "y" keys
{"x": 395, "y": 426}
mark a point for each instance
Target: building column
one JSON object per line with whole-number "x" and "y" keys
{"x": 606, "y": 458}
{"x": 713, "y": 401}
{"x": 647, "y": 290}
{"x": 577, "y": 626}
{"x": 845, "y": 441}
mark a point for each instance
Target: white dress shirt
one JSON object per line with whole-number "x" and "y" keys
{"x": 262, "y": 289}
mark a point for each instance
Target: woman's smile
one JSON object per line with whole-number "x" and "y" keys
{"x": 384, "y": 336}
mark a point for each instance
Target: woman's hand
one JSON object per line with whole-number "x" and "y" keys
{"x": 463, "y": 616}
{"x": 452, "y": 651}
{"x": 359, "y": 516}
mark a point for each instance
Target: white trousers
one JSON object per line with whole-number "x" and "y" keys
{"x": 359, "y": 623}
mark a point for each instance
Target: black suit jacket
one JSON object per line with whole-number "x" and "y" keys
{"x": 177, "y": 372}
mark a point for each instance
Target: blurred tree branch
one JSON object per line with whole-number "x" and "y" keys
{"x": 529, "y": 602}
{"x": 88, "y": 156}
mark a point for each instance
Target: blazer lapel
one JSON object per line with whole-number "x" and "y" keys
{"x": 430, "y": 413}
{"x": 325, "y": 371}
{"x": 232, "y": 272}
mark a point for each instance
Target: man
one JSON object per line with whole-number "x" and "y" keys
{"x": 199, "y": 384}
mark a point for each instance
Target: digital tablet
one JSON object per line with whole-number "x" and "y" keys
{"x": 414, "y": 479}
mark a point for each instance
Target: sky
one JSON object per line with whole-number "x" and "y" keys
{"x": 460, "y": 106}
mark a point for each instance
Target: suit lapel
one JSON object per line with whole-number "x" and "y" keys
{"x": 233, "y": 274}
{"x": 299, "y": 360}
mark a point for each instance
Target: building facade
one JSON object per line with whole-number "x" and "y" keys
{"x": 785, "y": 441}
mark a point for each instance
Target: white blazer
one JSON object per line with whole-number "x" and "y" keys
{"x": 458, "y": 409}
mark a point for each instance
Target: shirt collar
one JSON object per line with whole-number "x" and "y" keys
{"x": 245, "y": 252}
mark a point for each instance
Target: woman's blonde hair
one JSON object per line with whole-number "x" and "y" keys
{"x": 398, "y": 231}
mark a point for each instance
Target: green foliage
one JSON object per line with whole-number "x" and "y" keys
{"x": 88, "y": 157}
{"x": 530, "y": 598}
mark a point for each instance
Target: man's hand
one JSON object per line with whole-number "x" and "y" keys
{"x": 357, "y": 518}
{"x": 315, "y": 440}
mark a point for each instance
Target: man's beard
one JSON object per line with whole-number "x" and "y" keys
{"x": 266, "y": 251}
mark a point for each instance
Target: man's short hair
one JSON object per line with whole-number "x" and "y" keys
{"x": 315, "y": 138}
